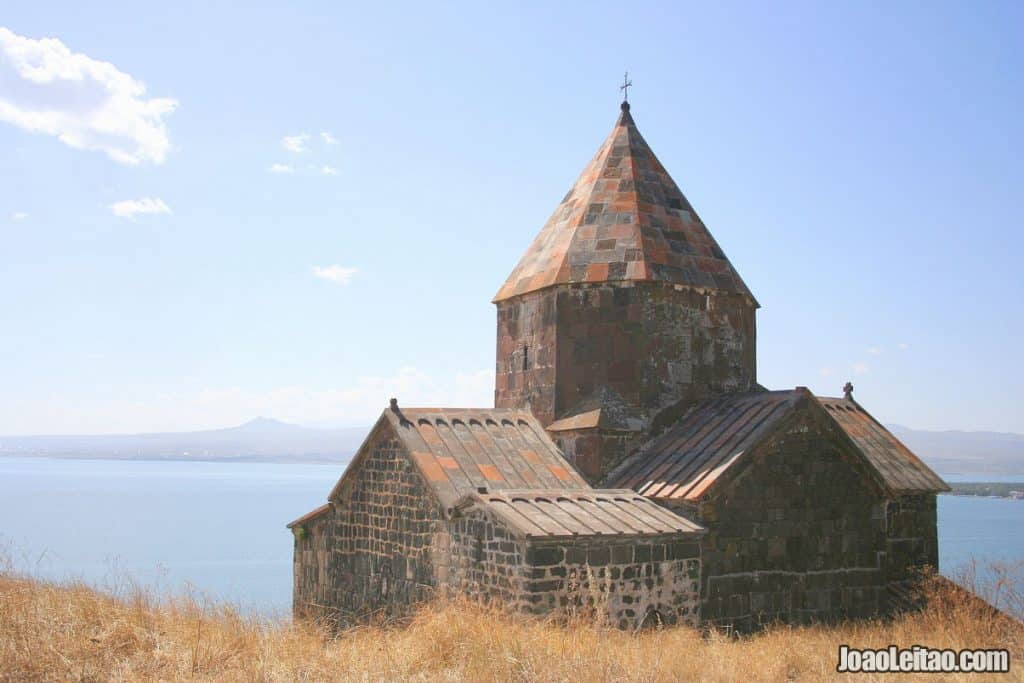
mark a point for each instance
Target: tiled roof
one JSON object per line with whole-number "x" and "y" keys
{"x": 624, "y": 219}
{"x": 572, "y": 513}
{"x": 687, "y": 458}
{"x": 901, "y": 470}
{"x": 459, "y": 450}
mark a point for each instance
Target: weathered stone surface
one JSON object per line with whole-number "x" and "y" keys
{"x": 485, "y": 562}
{"x": 652, "y": 343}
{"x": 374, "y": 552}
{"x": 911, "y": 531}
{"x": 617, "y": 579}
{"x": 595, "y": 452}
{"x": 385, "y": 544}
{"x": 526, "y": 345}
{"x": 804, "y": 534}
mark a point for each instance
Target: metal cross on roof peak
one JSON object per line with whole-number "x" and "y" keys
{"x": 626, "y": 84}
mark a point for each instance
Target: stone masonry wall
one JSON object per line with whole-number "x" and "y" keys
{"x": 628, "y": 580}
{"x": 798, "y": 536}
{"x": 595, "y": 452}
{"x": 635, "y": 582}
{"x": 654, "y": 344}
{"x": 911, "y": 532}
{"x": 376, "y": 555}
{"x": 481, "y": 559}
{"x": 310, "y": 576}
{"x": 525, "y": 365}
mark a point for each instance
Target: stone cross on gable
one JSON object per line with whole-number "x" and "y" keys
{"x": 848, "y": 391}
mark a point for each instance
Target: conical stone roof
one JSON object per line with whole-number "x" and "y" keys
{"x": 624, "y": 219}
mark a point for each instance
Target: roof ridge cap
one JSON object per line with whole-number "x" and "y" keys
{"x": 632, "y": 130}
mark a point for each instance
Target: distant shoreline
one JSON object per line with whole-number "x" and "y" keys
{"x": 241, "y": 459}
{"x": 975, "y": 456}
{"x": 978, "y": 487}
{"x": 988, "y": 489}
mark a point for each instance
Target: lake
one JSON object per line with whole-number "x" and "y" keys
{"x": 220, "y": 527}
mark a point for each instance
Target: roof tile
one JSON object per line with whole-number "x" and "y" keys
{"x": 687, "y": 459}
{"x": 575, "y": 513}
{"x": 460, "y": 450}
{"x": 623, "y": 199}
{"x": 899, "y": 467}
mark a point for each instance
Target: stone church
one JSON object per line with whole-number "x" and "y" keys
{"x": 632, "y": 463}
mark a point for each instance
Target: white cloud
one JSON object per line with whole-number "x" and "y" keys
{"x": 85, "y": 103}
{"x": 19, "y": 216}
{"x": 281, "y": 168}
{"x": 335, "y": 273}
{"x": 903, "y": 347}
{"x": 875, "y": 351}
{"x": 328, "y": 138}
{"x": 827, "y": 371}
{"x": 861, "y": 368}
{"x": 295, "y": 143}
{"x": 329, "y": 170}
{"x": 357, "y": 403}
{"x": 129, "y": 208}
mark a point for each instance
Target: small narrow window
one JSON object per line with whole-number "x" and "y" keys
{"x": 478, "y": 548}
{"x": 707, "y": 302}
{"x": 526, "y": 358}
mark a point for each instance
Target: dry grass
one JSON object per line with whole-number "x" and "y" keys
{"x": 72, "y": 632}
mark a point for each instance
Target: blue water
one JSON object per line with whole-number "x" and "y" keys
{"x": 218, "y": 529}
{"x": 985, "y": 529}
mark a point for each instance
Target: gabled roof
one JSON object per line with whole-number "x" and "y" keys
{"x": 902, "y": 471}
{"x": 459, "y": 450}
{"x": 574, "y": 513}
{"x": 624, "y": 219}
{"x": 687, "y": 459}
{"x": 310, "y": 516}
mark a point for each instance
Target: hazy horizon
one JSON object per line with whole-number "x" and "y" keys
{"x": 212, "y": 214}
{"x": 343, "y": 425}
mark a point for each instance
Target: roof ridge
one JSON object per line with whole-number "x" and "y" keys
{"x": 631, "y": 131}
{"x": 625, "y": 120}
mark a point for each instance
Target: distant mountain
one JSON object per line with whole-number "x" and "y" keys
{"x": 262, "y": 439}
{"x": 970, "y": 453}
{"x": 265, "y": 440}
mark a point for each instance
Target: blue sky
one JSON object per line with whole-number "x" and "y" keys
{"x": 859, "y": 163}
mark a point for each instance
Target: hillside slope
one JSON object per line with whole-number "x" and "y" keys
{"x": 970, "y": 453}
{"x": 261, "y": 439}
{"x": 50, "y": 632}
